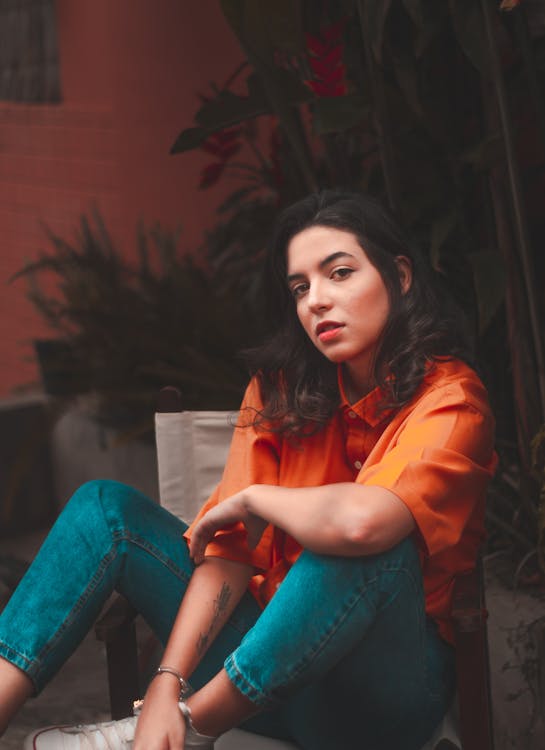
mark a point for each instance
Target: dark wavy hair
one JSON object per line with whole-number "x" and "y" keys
{"x": 299, "y": 384}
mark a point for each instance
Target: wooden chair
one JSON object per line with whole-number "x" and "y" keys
{"x": 472, "y": 711}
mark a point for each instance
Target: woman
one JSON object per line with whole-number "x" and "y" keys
{"x": 315, "y": 586}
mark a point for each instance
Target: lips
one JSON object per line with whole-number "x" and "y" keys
{"x": 328, "y": 329}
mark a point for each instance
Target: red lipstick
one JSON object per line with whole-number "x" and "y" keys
{"x": 327, "y": 330}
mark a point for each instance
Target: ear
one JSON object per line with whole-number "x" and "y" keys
{"x": 405, "y": 271}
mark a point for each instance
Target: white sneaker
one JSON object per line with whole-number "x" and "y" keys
{"x": 108, "y": 735}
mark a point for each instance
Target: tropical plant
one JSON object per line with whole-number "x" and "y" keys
{"x": 437, "y": 108}
{"x": 127, "y": 329}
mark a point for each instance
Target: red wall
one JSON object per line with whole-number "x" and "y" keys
{"x": 130, "y": 75}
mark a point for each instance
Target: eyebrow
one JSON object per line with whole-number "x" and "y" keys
{"x": 323, "y": 263}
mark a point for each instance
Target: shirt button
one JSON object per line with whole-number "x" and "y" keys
{"x": 352, "y": 414}
{"x": 358, "y": 465}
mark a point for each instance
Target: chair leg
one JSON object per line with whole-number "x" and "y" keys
{"x": 473, "y": 692}
{"x": 123, "y": 672}
{"x": 473, "y": 671}
{"x": 117, "y": 631}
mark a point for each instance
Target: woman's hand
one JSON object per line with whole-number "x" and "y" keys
{"x": 229, "y": 511}
{"x": 161, "y": 725}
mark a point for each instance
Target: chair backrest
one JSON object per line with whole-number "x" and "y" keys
{"x": 192, "y": 448}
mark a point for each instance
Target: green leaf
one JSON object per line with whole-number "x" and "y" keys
{"x": 284, "y": 25}
{"x": 189, "y": 139}
{"x": 440, "y": 232}
{"x": 249, "y": 20}
{"x": 415, "y": 10}
{"x": 228, "y": 109}
{"x": 489, "y": 282}
{"x": 376, "y": 17}
{"x": 235, "y": 199}
{"x": 248, "y": 26}
{"x": 485, "y": 154}
{"x": 407, "y": 78}
{"x": 467, "y": 21}
{"x": 427, "y": 22}
{"x": 336, "y": 114}
{"x": 233, "y": 10}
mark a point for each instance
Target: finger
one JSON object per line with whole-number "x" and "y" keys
{"x": 199, "y": 541}
{"x": 195, "y": 551}
{"x": 176, "y": 740}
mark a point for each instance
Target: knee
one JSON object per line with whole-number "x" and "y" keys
{"x": 348, "y": 570}
{"x": 404, "y": 554}
{"x": 103, "y": 498}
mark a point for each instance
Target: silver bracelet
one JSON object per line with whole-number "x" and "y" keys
{"x": 185, "y": 687}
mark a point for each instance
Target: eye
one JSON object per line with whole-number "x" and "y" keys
{"x": 297, "y": 290}
{"x": 341, "y": 273}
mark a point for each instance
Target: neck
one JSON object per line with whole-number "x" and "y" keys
{"x": 356, "y": 386}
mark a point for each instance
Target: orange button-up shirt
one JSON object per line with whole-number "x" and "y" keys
{"x": 436, "y": 454}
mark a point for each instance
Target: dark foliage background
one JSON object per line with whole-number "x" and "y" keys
{"x": 435, "y": 107}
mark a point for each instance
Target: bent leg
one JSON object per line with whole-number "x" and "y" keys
{"x": 356, "y": 663}
{"x": 108, "y": 537}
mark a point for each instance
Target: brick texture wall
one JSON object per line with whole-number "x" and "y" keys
{"x": 131, "y": 73}
{"x": 55, "y": 163}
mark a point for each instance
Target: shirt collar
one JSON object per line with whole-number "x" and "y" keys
{"x": 368, "y": 407}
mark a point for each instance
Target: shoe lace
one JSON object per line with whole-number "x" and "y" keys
{"x": 120, "y": 732}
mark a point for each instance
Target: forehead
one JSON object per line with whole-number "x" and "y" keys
{"x": 314, "y": 244}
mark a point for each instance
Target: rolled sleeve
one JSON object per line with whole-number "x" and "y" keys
{"x": 439, "y": 465}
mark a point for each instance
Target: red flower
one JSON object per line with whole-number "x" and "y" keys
{"x": 211, "y": 174}
{"x": 325, "y": 57}
{"x": 223, "y": 144}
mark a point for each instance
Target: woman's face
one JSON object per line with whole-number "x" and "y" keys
{"x": 341, "y": 299}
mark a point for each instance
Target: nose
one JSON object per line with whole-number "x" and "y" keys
{"x": 318, "y": 298}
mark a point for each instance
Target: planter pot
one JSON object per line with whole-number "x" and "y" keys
{"x": 58, "y": 368}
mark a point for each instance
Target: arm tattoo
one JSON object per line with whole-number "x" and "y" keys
{"x": 220, "y": 605}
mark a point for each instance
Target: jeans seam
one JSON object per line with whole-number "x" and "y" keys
{"x": 341, "y": 618}
{"x": 258, "y": 696}
{"x": 97, "y": 577}
{"x": 249, "y": 690}
{"x": 124, "y": 535}
{"x": 37, "y": 666}
{"x": 10, "y": 650}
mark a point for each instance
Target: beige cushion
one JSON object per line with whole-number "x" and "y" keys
{"x": 192, "y": 449}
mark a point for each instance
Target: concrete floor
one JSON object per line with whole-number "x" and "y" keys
{"x": 78, "y": 694}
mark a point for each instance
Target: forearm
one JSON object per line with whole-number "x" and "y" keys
{"x": 346, "y": 519}
{"x": 341, "y": 519}
{"x": 215, "y": 589}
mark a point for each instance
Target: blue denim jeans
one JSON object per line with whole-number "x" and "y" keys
{"x": 342, "y": 657}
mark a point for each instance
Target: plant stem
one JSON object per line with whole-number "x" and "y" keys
{"x": 510, "y": 530}
{"x": 534, "y": 84}
{"x": 381, "y": 113}
{"x": 521, "y": 228}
